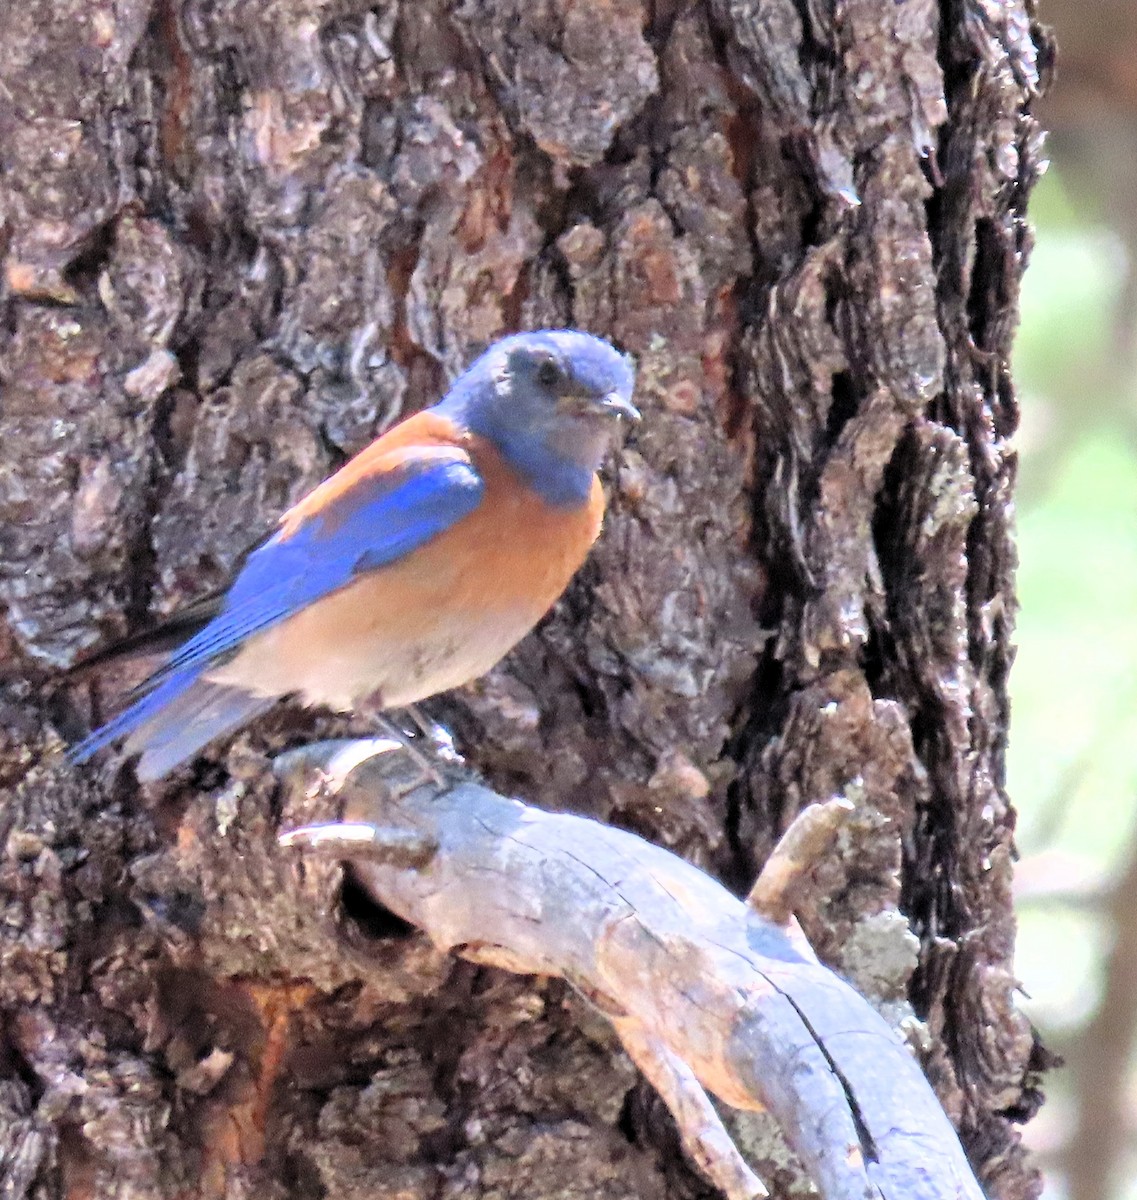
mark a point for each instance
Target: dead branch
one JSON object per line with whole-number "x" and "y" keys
{"x": 783, "y": 877}
{"x": 704, "y": 990}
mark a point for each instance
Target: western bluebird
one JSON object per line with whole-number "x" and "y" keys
{"x": 415, "y": 567}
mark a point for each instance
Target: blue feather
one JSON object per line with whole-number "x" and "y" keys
{"x": 543, "y": 400}
{"x": 404, "y": 509}
{"x": 185, "y": 723}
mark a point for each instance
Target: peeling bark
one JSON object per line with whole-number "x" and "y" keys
{"x": 239, "y": 239}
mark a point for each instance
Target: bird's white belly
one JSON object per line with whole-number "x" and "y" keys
{"x": 342, "y": 673}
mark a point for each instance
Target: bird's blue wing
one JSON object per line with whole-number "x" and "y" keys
{"x": 383, "y": 517}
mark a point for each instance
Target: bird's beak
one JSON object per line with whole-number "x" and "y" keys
{"x": 616, "y": 404}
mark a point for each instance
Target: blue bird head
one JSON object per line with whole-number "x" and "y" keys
{"x": 550, "y": 401}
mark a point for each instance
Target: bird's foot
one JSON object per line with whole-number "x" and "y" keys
{"x": 440, "y": 737}
{"x": 431, "y": 749}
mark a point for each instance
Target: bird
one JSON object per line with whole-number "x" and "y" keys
{"x": 412, "y": 570}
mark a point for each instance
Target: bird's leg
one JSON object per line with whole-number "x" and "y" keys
{"x": 439, "y": 735}
{"x": 374, "y": 709}
{"x": 428, "y": 768}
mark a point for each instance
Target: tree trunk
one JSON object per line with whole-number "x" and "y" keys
{"x": 241, "y": 238}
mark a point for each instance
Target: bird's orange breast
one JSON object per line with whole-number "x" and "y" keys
{"x": 439, "y": 617}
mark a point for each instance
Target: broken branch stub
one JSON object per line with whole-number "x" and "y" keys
{"x": 783, "y": 876}
{"x": 705, "y": 992}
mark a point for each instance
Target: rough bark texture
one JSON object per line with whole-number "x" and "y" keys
{"x": 242, "y": 237}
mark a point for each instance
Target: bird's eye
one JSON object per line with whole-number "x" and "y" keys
{"x": 548, "y": 373}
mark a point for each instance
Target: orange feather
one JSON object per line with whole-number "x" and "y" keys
{"x": 443, "y": 614}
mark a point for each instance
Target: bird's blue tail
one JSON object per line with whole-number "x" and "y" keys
{"x": 174, "y": 722}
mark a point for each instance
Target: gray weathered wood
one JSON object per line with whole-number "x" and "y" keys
{"x": 676, "y": 962}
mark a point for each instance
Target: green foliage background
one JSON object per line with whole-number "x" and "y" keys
{"x": 1073, "y": 755}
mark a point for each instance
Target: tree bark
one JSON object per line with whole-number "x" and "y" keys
{"x": 240, "y": 239}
